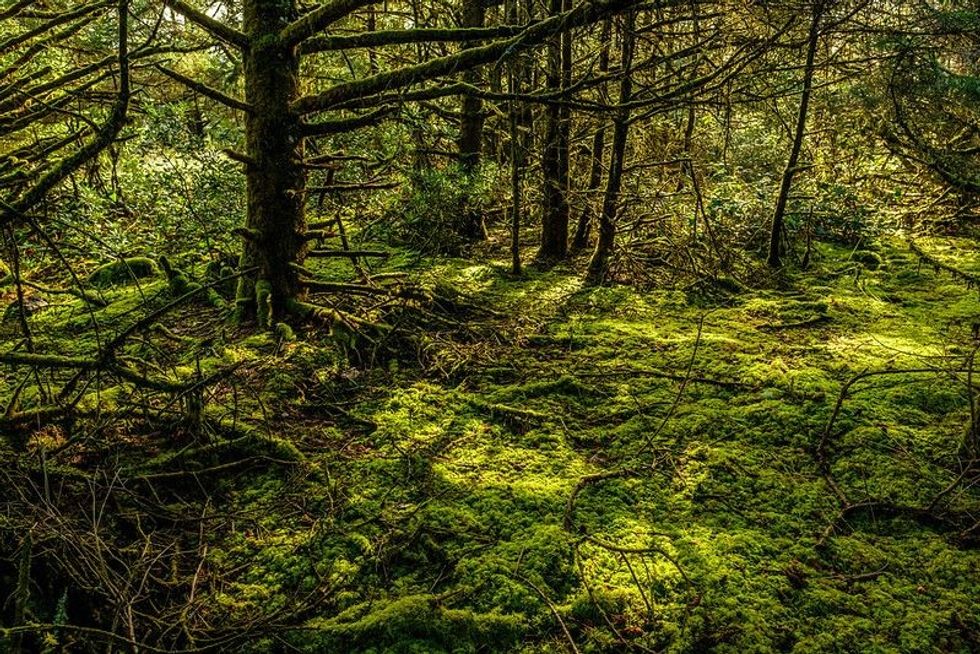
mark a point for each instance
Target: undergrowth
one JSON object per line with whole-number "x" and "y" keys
{"x": 606, "y": 469}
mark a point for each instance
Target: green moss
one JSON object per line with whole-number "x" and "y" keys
{"x": 285, "y": 332}
{"x": 419, "y": 508}
{"x": 263, "y": 303}
{"x": 123, "y": 271}
{"x": 868, "y": 259}
{"x": 413, "y": 623}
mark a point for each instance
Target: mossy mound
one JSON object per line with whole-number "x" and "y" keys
{"x": 868, "y": 259}
{"x": 123, "y": 271}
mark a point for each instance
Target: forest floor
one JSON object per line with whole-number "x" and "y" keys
{"x": 619, "y": 469}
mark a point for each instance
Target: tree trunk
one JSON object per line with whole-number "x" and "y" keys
{"x": 584, "y": 227}
{"x": 514, "y": 110}
{"x": 599, "y": 264}
{"x": 776, "y": 232}
{"x": 471, "y": 124}
{"x": 554, "y": 160}
{"x": 275, "y": 178}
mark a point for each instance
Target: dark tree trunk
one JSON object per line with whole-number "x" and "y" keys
{"x": 372, "y": 25}
{"x": 517, "y": 151}
{"x": 565, "y": 113}
{"x": 471, "y": 124}
{"x": 516, "y": 164}
{"x": 599, "y": 264}
{"x": 584, "y": 228}
{"x": 554, "y": 161}
{"x": 776, "y": 231}
{"x": 276, "y": 181}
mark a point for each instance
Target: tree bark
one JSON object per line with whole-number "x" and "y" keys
{"x": 554, "y": 160}
{"x": 275, "y": 177}
{"x": 471, "y": 124}
{"x": 778, "y": 219}
{"x": 514, "y": 111}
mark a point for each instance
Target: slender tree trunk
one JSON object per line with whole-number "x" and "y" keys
{"x": 471, "y": 124}
{"x": 599, "y": 264}
{"x": 688, "y": 138}
{"x": 515, "y": 70}
{"x": 776, "y": 232}
{"x": 275, "y": 178}
{"x": 516, "y": 163}
{"x": 528, "y": 76}
{"x": 565, "y": 117}
{"x": 554, "y": 161}
{"x": 493, "y": 142}
{"x": 584, "y": 227}
{"x": 688, "y": 170}
{"x": 372, "y": 25}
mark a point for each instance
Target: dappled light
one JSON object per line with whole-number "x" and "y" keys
{"x": 577, "y": 326}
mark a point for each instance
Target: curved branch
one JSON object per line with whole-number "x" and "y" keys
{"x": 213, "y": 27}
{"x": 319, "y": 19}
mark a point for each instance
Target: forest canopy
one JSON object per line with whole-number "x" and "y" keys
{"x": 489, "y": 326}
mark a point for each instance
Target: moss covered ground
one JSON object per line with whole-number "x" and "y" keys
{"x": 614, "y": 469}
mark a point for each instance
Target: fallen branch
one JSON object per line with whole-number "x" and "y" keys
{"x": 352, "y": 254}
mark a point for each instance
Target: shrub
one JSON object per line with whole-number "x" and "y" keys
{"x": 431, "y": 214}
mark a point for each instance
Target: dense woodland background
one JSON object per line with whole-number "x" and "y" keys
{"x": 489, "y": 326}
